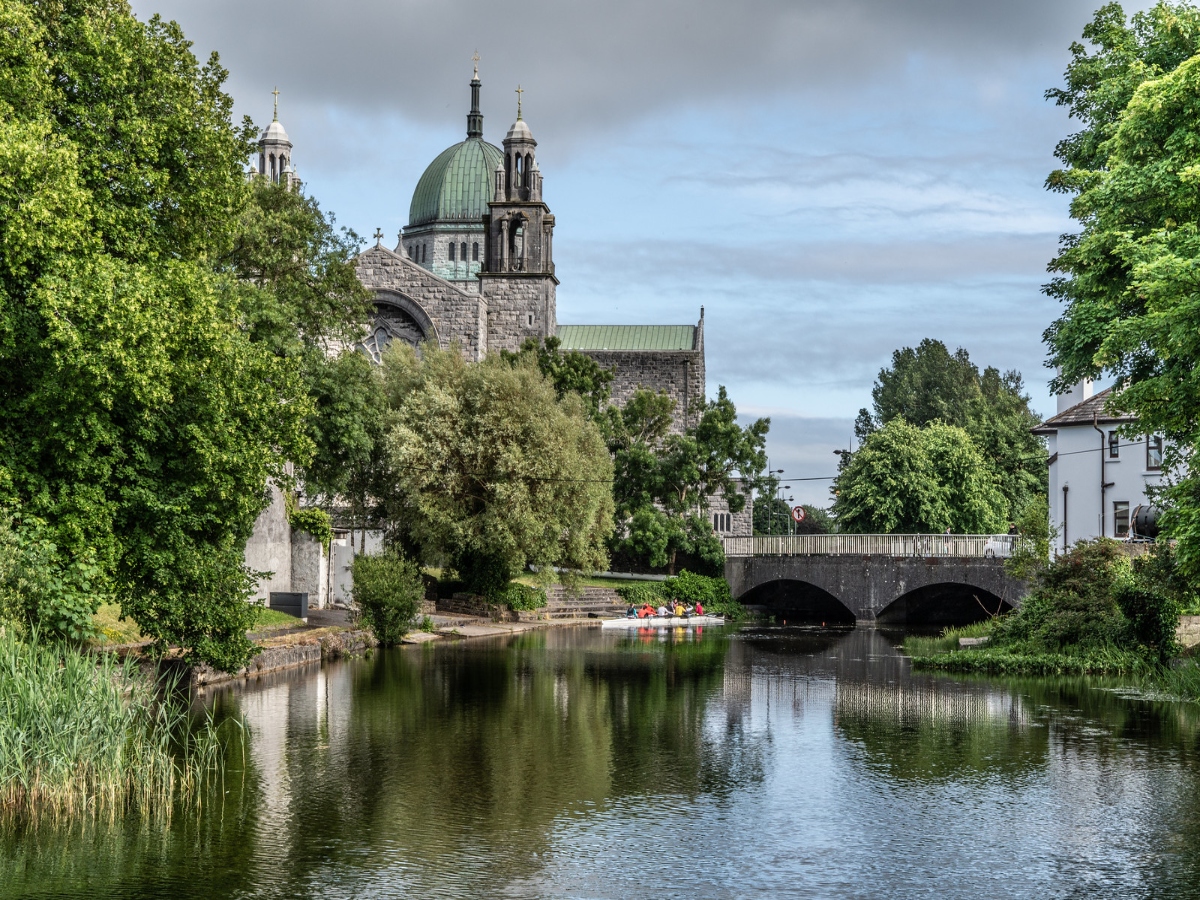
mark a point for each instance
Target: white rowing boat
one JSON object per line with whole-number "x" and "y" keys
{"x": 663, "y": 622}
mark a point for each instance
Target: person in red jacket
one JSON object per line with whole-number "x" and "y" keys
{"x": 699, "y": 608}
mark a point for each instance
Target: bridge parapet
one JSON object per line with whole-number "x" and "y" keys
{"x": 939, "y": 546}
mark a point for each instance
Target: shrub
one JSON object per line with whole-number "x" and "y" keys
{"x": 314, "y": 521}
{"x": 40, "y": 588}
{"x": 521, "y": 597}
{"x": 712, "y": 592}
{"x": 388, "y": 591}
{"x": 641, "y": 592}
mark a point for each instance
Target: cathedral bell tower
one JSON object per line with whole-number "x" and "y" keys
{"x": 517, "y": 277}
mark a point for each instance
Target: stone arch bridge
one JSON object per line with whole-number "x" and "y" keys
{"x": 902, "y": 579}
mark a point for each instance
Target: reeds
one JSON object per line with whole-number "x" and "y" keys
{"x": 87, "y": 734}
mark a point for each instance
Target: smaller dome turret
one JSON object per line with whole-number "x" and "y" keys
{"x": 275, "y": 152}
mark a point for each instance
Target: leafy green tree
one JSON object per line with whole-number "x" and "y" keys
{"x": 139, "y": 418}
{"x": 929, "y": 384}
{"x": 490, "y": 470}
{"x": 906, "y": 479}
{"x": 569, "y": 372}
{"x": 388, "y": 591}
{"x": 1127, "y": 278}
{"x": 664, "y": 483}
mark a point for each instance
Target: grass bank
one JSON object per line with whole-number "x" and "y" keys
{"x": 88, "y": 734}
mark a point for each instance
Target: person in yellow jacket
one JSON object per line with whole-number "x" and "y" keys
{"x": 678, "y": 609}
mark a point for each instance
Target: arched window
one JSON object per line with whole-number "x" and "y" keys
{"x": 452, "y": 251}
{"x": 462, "y": 251}
{"x": 424, "y": 253}
{"x": 475, "y": 252}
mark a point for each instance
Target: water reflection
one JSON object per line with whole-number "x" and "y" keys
{"x": 573, "y": 762}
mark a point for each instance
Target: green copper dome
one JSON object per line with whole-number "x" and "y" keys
{"x": 457, "y": 186}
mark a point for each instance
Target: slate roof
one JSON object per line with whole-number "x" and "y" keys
{"x": 627, "y": 337}
{"x": 1082, "y": 414}
{"x": 458, "y": 185}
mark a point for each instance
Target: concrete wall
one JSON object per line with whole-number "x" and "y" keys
{"x": 310, "y": 569}
{"x": 270, "y": 547}
{"x": 1077, "y": 466}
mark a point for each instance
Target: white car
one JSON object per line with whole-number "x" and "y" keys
{"x": 999, "y": 546}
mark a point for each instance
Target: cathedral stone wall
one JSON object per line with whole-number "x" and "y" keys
{"x": 680, "y": 373}
{"x": 458, "y": 316}
{"x": 519, "y": 307}
{"x": 436, "y": 241}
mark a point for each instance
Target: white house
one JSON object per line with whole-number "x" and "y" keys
{"x": 1098, "y": 478}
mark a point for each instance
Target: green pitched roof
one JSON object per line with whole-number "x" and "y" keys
{"x": 457, "y": 186}
{"x": 627, "y": 337}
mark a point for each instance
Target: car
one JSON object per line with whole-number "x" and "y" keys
{"x": 999, "y": 546}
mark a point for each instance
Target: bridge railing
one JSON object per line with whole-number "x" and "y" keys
{"x": 983, "y": 546}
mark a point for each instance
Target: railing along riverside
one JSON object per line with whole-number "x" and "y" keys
{"x": 927, "y": 545}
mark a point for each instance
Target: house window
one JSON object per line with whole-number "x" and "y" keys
{"x": 1114, "y": 445}
{"x": 1121, "y": 518}
{"x": 452, "y": 251}
{"x": 475, "y": 252}
{"x": 1154, "y": 452}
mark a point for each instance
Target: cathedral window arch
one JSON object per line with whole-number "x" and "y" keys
{"x": 452, "y": 251}
{"x": 462, "y": 251}
{"x": 475, "y": 252}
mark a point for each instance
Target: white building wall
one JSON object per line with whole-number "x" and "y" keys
{"x": 1077, "y": 467}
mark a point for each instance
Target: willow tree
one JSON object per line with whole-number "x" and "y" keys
{"x": 490, "y": 470}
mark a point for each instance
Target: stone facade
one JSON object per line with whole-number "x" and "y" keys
{"x": 679, "y": 373}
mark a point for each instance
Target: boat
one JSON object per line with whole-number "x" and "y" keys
{"x": 662, "y": 622}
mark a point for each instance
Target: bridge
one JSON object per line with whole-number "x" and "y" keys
{"x": 884, "y": 578}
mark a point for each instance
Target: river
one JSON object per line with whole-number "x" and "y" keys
{"x": 571, "y": 762}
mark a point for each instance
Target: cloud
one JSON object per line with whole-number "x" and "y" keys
{"x": 590, "y": 65}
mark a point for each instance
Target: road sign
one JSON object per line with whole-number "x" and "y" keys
{"x": 798, "y": 513}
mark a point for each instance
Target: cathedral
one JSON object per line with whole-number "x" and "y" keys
{"x": 474, "y": 267}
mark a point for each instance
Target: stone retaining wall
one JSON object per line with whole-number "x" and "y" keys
{"x": 299, "y": 649}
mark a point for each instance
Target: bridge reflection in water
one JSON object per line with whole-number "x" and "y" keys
{"x": 904, "y": 579}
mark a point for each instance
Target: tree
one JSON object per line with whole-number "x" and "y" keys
{"x": 570, "y": 372}
{"x": 139, "y": 420}
{"x": 1127, "y": 279}
{"x": 664, "y": 482}
{"x": 911, "y": 480}
{"x": 929, "y": 384}
{"x": 490, "y": 470}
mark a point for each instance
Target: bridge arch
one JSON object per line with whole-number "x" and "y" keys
{"x": 795, "y": 600}
{"x": 943, "y": 603}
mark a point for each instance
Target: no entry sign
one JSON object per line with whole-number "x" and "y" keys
{"x": 798, "y": 513}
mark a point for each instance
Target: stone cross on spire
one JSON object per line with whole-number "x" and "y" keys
{"x": 378, "y": 237}
{"x": 275, "y": 117}
{"x": 519, "y": 92}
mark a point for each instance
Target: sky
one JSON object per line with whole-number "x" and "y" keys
{"x": 831, "y": 181}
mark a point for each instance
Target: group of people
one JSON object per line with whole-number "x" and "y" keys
{"x": 646, "y": 611}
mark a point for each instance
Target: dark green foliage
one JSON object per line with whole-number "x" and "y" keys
{"x": 44, "y": 590}
{"x": 388, "y": 591}
{"x": 637, "y": 593}
{"x": 1074, "y": 604}
{"x": 663, "y": 483}
{"x": 521, "y": 597}
{"x": 1090, "y": 611}
{"x": 929, "y": 384}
